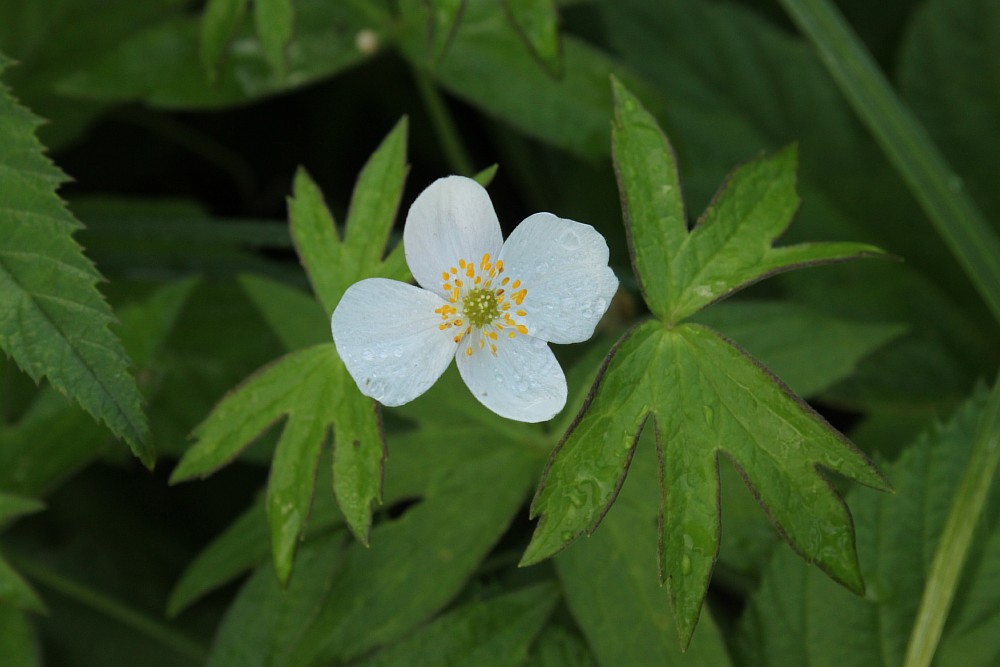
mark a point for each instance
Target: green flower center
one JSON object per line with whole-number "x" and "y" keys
{"x": 486, "y": 308}
{"x": 480, "y": 306}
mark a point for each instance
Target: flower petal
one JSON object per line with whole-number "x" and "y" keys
{"x": 452, "y": 219}
{"x": 388, "y": 336}
{"x": 523, "y": 381}
{"x": 564, "y": 266}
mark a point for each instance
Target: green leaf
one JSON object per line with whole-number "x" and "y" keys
{"x": 651, "y": 195}
{"x": 293, "y": 315}
{"x": 707, "y": 397}
{"x": 421, "y": 459}
{"x": 53, "y": 439}
{"x": 274, "y": 20}
{"x": 16, "y": 592}
{"x": 799, "y": 617}
{"x": 570, "y": 111}
{"x": 610, "y": 581}
{"x": 309, "y": 386}
{"x": 485, "y": 177}
{"x": 588, "y": 466}
{"x": 730, "y": 246}
{"x": 334, "y": 264}
{"x": 558, "y": 647}
{"x": 219, "y": 23}
{"x": 711, "y": 61}
{"x": 53, "y": 321}
{"x": 305, "y": 386}
{"x": 160, "y": 64}
{"x": 537, "y": 22}
{"x": 18, "y": 644}
{"x": 346, "y": 600}
{"x": 15, "y": 506}
{"x": 785, "y": 337}
{"x": 491, "y": 633}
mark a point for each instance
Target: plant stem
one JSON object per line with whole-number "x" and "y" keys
{"x": 906, "y": 143}
{"x": 956, "y": 538}
{"x": 444, "y": 124}
{"x": 113, "y": 609}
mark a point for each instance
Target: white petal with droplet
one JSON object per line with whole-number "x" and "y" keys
{"x": 388, "y": 336}
{"x": 523, "y": 381}
{"x": 452, "y": 219}
{"x": 564, "y": 266}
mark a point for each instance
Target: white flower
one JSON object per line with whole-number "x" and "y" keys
{"x": 491, "y": 305}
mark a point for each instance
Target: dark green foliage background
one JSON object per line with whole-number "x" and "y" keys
{"x": 182, "y": 139}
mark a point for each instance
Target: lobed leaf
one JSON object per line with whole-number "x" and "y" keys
{"x": 53, "y": 321}
{"x": 588, "y": 466}
{"x": 713, "y": 398}
{"x": 652, "y": 204}
{"x": 610, "y": 583}
{"x": 334, "y": 264}
{"x": 304, "y": 387}
{"x": 706, "y": 396}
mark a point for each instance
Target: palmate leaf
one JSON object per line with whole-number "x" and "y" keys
{"x": 610, "y": 582}
{"x": 705, "y": 395}
{"x": 311, "y": 387}
{"x": 53, "y": 321}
